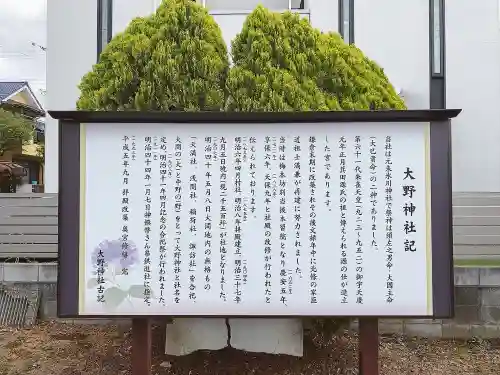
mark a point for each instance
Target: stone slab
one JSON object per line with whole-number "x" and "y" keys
{"x": 48, "y": 310}
{"x": 466, "y": 276}
{"x": 467, "y": 314}
{"x": 456, "y": 331}
{"x": 49, "y": 291}
{"x": 486, "y": 331}
{"x": 467, "y": 295}
{"x": 20, "y": 272}
{"x": 422, "y": 321}
{"x": 391, "y": 327}
{"x": 489, "y": 277}
{"x": 47, "y": 272}
{"x": 490, "y": 296}
{"x": 430, "y": 330}
{"x": 490, "y": 314}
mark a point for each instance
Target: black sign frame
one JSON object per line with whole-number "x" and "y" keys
{"x": 69, "y": 187}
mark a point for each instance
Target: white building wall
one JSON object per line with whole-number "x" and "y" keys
{"x": 248, "y": 5}
{"x": 395, "y": 34}
{"x": 71, "y": 51}
{"x": 324, "y": 15}
{"x": 126, "y": 10}
{"x": 473, "y": 84}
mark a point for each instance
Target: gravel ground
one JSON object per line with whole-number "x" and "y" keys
{"x": 63, "y": 349}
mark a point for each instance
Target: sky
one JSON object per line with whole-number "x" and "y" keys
{"x": 23, "y": 22}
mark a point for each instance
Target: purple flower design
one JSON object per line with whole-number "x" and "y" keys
{"x": 113, "y": 252}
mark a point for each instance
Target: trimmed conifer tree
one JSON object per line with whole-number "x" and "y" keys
{"x": 282, "y": 63}
{"x": 175, "y": 59}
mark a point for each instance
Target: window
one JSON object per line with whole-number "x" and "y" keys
{"x": 248, "y": 5}
{"x": 30, "y": 171}
{"x": 346, "y": 20}
{"x": 104, "y": 24}
{"x": 437, "y": 37}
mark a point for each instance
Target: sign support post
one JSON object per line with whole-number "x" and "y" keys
{"x": 141, "y": 346}
{"x": 368, "y": 346}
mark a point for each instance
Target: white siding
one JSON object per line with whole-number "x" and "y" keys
{"x": 473, "y": 84}
{"x": 324, "y": 14}
{"x": 221, "y": 5}
{"x": 71, "y": 51}
{"x": 230, "y": 25}
{"x": 126, "y": 10}
{"x": 395, "y": 34}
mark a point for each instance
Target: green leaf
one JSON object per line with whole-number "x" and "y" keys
{"x": 174, "y": 59}
{"x": 114, "y": 296}
{"x": 281, "y": 63}
{"x": 92, "y": 283}
{"x": 15, "y": 131}
{"x": 137, "y": 291}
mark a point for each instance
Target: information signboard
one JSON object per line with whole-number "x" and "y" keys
{"x": 309, "y": 215}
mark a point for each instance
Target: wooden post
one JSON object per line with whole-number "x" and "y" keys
{"x": 368, "y": 346}
{"x": 141, "y": 346}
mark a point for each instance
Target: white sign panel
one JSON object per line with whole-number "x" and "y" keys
{"x": 255, "y": 219}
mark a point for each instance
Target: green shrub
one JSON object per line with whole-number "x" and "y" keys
{"x": 175, "y": 59}
{"x": 281, "y": 63}
{"x": 15, "y": 131}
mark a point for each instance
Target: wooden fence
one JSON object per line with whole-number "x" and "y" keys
{"x": 28, "y": 227}
{"x": 476, "y": 229}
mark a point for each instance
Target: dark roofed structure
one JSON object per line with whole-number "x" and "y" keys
{"x": 8, "y": 97}
{"x": 9, "y": 88}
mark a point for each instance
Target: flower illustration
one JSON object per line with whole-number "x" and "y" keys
{"x": 119, "y": 253}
